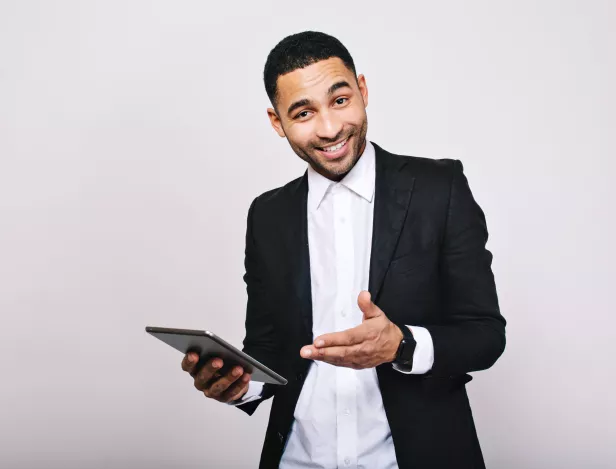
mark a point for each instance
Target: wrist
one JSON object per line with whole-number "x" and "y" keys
{"x": 398, "y": 336}
{"x": 406, "y": 349}
{"x": 238, "y": 397}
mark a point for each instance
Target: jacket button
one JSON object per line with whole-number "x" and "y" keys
{"x": 280, "y": 437}
{"x": 300, "y": 376}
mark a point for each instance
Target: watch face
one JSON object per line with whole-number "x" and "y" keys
{"x": 406, "y": 354}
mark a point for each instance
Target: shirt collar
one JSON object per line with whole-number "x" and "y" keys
{"x": 360, "y": 179}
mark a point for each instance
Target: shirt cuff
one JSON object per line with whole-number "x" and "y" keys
{"x": 253, "y": 393}
{"x": 423, "y": 357}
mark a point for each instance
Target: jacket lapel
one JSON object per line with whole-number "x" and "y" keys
{"x": 392, "y": 197}
{"x": 299, "y": 257}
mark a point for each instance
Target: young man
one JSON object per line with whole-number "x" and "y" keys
{"x": 369, "y": 287}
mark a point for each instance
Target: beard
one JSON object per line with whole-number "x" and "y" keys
{"x": 335, "y": 170}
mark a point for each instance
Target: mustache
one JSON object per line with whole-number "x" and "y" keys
{"x": 337, "y": 138}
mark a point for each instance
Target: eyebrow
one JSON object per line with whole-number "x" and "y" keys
{"x": 296, "y": 104}
{"x": 304, "y": 102}
{"x": 340, "y": 84}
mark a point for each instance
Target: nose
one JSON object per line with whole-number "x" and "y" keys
{"x": 328, "y": 127}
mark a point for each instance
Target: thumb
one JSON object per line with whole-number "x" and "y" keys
{"x": 370, "y": 310}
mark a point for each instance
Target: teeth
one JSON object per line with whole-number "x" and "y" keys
{"x": 335, "y": 147}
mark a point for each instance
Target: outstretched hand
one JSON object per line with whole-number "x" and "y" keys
{"x": 373, "y": 342}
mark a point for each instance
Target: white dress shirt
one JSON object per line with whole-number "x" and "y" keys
{"x": 340, "y": 421}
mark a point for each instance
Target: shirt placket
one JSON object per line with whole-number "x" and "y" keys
{"x": 346, "y": 386}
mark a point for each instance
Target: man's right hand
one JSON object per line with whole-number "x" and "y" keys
{"x": 223, "y": 388}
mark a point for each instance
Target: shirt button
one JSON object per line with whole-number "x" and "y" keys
{"x": 347, "y": 412}
{"x": 342, "y": 220}
{"x": 343, "y": 313}
{"x": 347, "y": 461}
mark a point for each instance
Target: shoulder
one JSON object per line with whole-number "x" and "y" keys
{"x": 274, "y": 201}
{"x": 279, "y": 194}
{"x": 419, "y": 166}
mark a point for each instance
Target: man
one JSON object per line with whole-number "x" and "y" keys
{"x": 369, "y": 287}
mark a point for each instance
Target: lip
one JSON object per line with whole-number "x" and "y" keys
{"x": 332, "y": 155}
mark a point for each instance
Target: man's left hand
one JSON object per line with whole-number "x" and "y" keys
{"x": 373, "y": 342}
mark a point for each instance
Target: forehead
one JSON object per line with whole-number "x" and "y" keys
{"x": 312, "y": 81}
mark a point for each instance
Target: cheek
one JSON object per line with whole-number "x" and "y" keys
{"x": 354, "y": 116}
{"x": 301, "y": 135}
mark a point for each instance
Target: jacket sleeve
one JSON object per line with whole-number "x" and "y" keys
{"x": 472, "y": 336}
{"x": 260, "y": 341}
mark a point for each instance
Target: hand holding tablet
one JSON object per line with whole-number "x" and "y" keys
{"x": 226, "y": 387}
{"x": 221, "y": 371}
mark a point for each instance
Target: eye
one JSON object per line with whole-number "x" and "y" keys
{"x": 341, "y": 101}
{"x": 302, "y": 115}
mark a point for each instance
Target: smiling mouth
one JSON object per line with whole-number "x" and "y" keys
{"x": 334, "y": 148}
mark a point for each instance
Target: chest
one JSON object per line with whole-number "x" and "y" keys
{"x": 339, "y": 242}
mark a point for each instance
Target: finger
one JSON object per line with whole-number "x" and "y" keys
{"x": 341, "y": 356}
{"x": 189, "y": 362}
{"x": 219, "y": 386}
{"x": 237, "y": 389}
{"x": 206, "y": 373}
{"x": 308, "y": 351}
{"x": 370, "y": 310}
{"x": 346, "y": 338}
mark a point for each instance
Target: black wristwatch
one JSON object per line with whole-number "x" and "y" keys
{"x": 406, "y": 349}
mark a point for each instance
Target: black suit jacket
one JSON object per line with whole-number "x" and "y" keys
{"x": 428, "y": 267}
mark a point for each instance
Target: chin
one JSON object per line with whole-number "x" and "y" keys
{"x": 340, "y": 167}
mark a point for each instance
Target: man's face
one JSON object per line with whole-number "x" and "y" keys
{"x": 322, "y": 113}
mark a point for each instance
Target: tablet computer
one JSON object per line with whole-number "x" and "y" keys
{"x": 208, "y": 345}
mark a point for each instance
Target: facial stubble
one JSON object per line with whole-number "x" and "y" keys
{"x": 335, "y": 172}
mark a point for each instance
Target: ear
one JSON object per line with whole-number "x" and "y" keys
{"x": 363, "y": 89}
{"x": 275, "y": 121}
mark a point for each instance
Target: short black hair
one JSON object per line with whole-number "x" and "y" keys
{"x": 299, "y": 51}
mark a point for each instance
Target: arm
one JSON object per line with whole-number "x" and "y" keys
{"x": 260, "y": 341}
{"x": 473, "y": 336}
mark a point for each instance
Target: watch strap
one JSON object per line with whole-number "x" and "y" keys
{"x": 406, "y": 349}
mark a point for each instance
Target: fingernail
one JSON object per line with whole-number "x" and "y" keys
{"x": 236, "y": 371}
{"x": 307, "y": 352}
{"x": 216, "y": 364}
{"x": 319, "y": 343}
{"x": 189, "y": 358}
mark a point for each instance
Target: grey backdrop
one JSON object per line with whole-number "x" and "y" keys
{"x": 133, "y": 137}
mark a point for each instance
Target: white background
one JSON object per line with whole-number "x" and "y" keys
{"x": 133, "y": 137}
